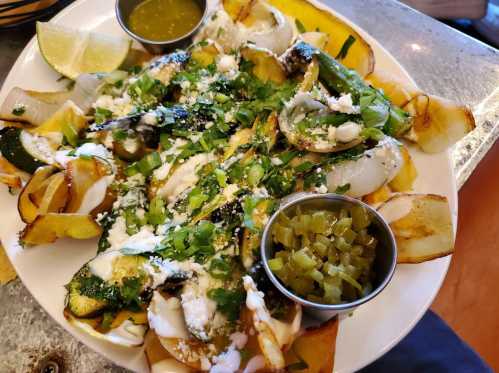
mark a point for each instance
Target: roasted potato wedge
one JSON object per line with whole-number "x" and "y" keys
{"x": 12, "y": 181}
{"x": 48, "y": 228}
{"x": 360, "y": 56}
{"x": 27, "y": 209}
{"x": 82, "y": 174}
{"x": 404, "y": 180}
{"x": 421, "y": 224}
{"x": 316, "y": 348}
{"x": 437, "y": 122}
{"x": 10, "y": 175}
{"x": 266, "y": 65}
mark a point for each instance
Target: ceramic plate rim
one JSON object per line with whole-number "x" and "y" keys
{"x": 380, "y": 51}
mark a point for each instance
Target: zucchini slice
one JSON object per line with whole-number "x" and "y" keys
{"x": 24, "y": 150}
{"x": 80, "y": 305}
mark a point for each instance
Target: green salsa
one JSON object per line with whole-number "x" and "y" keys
{"x": 163, "y": 20}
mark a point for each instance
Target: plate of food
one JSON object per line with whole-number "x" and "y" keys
{"x": 138, "y": 187}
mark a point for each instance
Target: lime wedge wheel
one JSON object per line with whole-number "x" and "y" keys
{"x": 72, "y": 52}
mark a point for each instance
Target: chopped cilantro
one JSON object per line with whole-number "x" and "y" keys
{"x": 101, "y": 115}
{"x": 342, "y": 189}
{"x": 220, "y": 269}
{"x": 228, "y": 301}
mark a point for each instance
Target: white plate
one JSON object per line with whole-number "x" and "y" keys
{"x": 369, "y": 333}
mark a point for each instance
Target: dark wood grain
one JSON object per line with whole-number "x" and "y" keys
{"x": 469, "y": 298}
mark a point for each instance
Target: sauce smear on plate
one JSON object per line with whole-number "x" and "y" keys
{"x": 164, "y": 20}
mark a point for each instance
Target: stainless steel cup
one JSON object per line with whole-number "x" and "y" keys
{"x": 384, "y": 263}
{"x": 124, "y": 8}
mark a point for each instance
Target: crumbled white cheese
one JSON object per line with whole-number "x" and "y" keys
{"x": 230, "y": 191}
{"x": 276, "y": 161}
{"x": 117, "y": 234}
{"x": 120, "y": 106}
{"x": 199, "y": 310}
{"x": 130, "y": 145}
{"x": 343, "y": 104}
{"x": 261, "y": 192}
{"x": 185, "y": 84}
{"x": 227, "y": 64}
{"x": 348, "y": 131}
{"x": 322, "y": 189}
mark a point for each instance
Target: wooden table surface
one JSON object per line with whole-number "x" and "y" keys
{"x": 468, "y": 301}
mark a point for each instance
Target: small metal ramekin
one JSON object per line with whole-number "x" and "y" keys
{"x": 384, "y": 263}
{"x": 124, "y": 8}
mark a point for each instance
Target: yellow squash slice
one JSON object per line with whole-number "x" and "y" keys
{"x": 315, "y": 347}
{"x": 360, "y": 57}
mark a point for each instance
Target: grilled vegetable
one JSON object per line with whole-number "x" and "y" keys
{"x": 38, "y": 107}
{"x": 80, "y": 305}
{"x": 24, "y": 150}
{"x": 28, "y": 210}
{"x": 69, "y": 121}
{"x": 266, "y": 66}
{"x": 359, "y": 57}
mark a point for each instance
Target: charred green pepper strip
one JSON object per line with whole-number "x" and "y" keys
{"x": 376, "y": 109}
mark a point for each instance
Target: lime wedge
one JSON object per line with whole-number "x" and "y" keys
{"x": 73, "y": 52}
